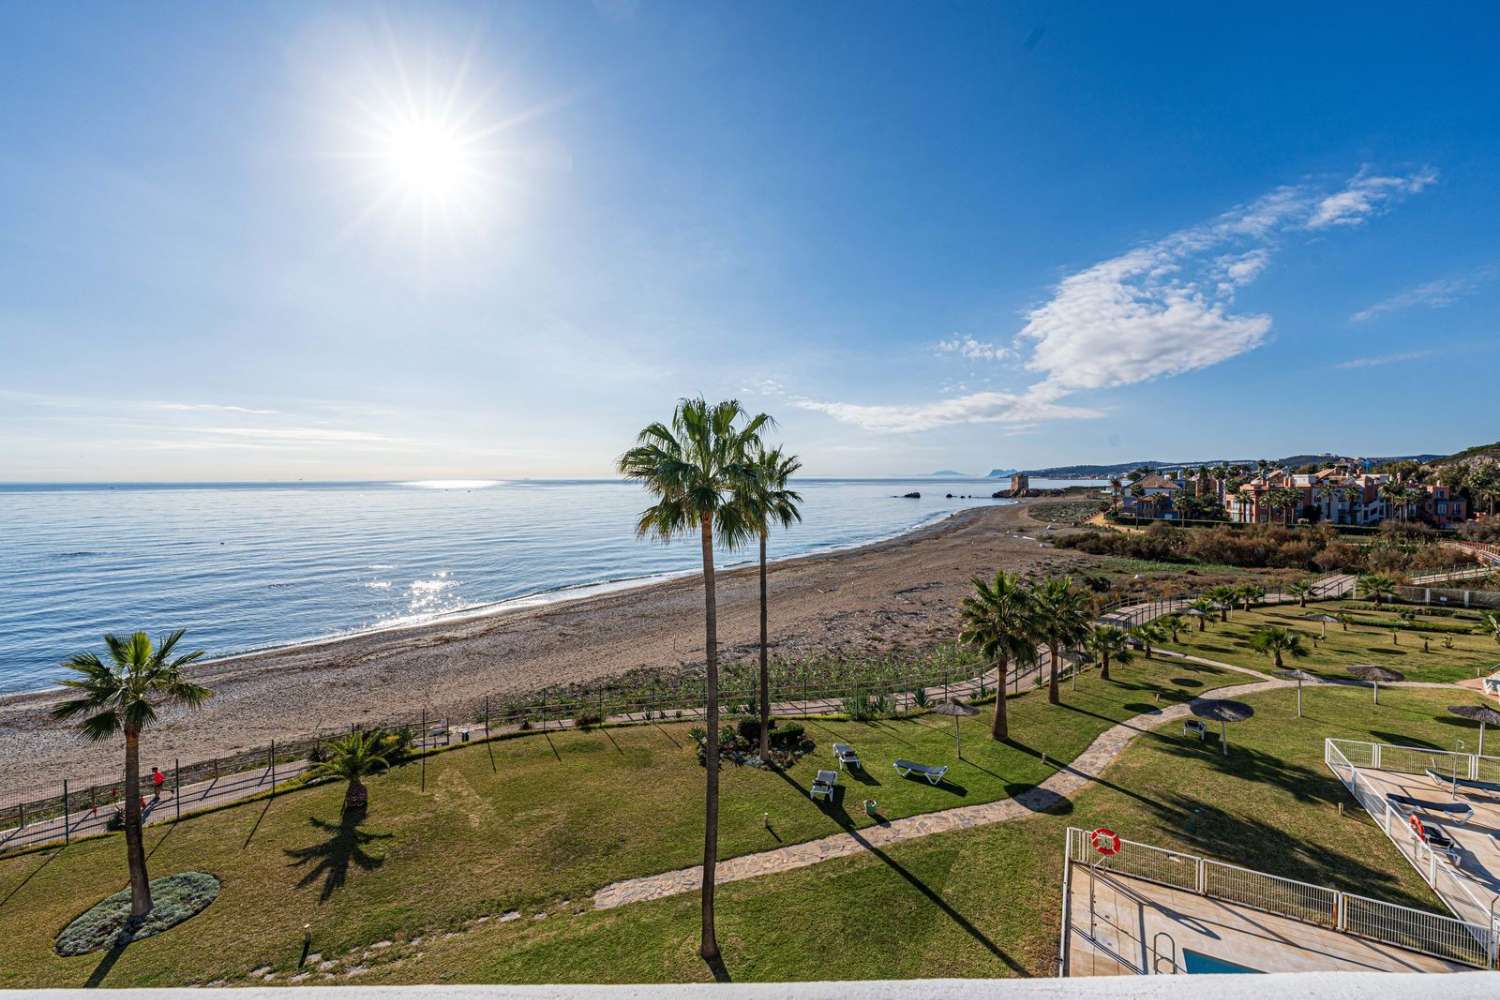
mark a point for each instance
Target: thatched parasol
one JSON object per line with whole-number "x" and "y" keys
{"x": 957, "y": 709}
{"x": 1299, "y": 676}
{"x": 1376, "y": 675}
{"x": 1223, "y": 711}
{"x": 1324, "y": 621}
{"x": 1482, "y": 714}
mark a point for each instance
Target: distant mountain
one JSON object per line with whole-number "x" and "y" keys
{"x": 1120, "y": 469}
{"x": 1002, "y": 473}
{"x": 1479, "y": 454}
{"x": 947, "y": 474}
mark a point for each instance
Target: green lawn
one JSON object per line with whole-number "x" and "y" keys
{"x": 1369, "y": 639}
{"x": 986, "y": 901}
{"x": 520, "y": 824}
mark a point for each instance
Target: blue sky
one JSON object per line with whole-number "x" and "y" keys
{"x": 921, "y": 236}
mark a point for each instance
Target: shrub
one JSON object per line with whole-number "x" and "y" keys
{"x": 588, "y": 720}
{"x": 106, "y": 924}
{"x": 788, "y": 735}
{"x": 749, "y": 730}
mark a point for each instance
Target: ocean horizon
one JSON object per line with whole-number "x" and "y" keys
{"x": 249, "y": 566}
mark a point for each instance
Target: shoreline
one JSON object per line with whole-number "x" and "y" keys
{"x": 892, "y": 595}
{"x": 547, "y": 597}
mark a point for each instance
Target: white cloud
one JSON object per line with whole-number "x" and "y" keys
{"x": 1385, "y": 359}
{"x": 1159, "y": 310}
{"x": 1434, "y": 294}
{"x": 1364, "y": 195}
{"x": 206, "y": 408}
{"x": 974, "y": 350}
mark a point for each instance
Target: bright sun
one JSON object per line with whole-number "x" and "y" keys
{"x": 429, "y": 159}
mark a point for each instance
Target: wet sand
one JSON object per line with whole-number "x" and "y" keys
{"x": 899, "y": 594}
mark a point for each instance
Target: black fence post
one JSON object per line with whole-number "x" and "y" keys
{"x": 177, "y": 785}
{"x": 424, "y": 749}
{"x": 273, "y": 768}
{"x": 67, "y": 815}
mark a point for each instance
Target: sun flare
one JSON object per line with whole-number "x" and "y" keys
{"x": 429, "y": 158}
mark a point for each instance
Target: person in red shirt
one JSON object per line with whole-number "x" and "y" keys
{"x": 157, "y": 780}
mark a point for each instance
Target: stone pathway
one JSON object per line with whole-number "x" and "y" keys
{"x": 1068, "y": 781}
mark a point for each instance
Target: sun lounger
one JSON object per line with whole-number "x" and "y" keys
{"x": 846, "y": 755}
{"x": 1458, "y": 812}
{"x": 823, "y": 785}
{"x": 934, "y": 775}
{"x": 1464, "y": 784}
{"x": 1193, "y": 727}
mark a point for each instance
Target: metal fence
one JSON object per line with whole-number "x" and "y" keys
{"x": 1349, "y": 913}
{"x": 1455, "y": 889}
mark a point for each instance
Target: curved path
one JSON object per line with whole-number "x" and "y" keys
{"x": 1068, "y": 781}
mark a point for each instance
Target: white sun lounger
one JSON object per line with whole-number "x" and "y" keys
{"x": 1458, "y": 812}
{"x": 934, "y": 775}
{"x": 846, "y": 755}
{"x": 823, "y": 785}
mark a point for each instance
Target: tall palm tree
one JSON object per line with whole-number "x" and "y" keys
{"x": 354, "y": 758}
{"x": 997, "y": 621}
{"x": 1276, "y": 642}
{"x": 1107, "y": 643}
{"x": 1060, "y": 617}
{"x": 123, "y": 696}
{"x": 767, "y": 500}
{"x": 693, "y": 467}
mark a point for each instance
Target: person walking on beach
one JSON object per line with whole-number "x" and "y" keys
{"x": 157, "y": 781}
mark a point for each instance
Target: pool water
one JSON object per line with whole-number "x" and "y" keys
{"x": 1197, "y": 962}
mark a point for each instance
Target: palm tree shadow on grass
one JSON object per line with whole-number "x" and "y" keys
{"x": 1304, "y": 783}
{"x": 836, "y": 810}
{"x": 331, "y": 858}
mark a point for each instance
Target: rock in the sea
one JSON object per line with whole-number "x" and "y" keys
{"x": 913, "y": 495}
{"x": 948, "y": 496}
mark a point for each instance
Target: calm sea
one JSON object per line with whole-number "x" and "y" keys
{"x": 248, "y": 566}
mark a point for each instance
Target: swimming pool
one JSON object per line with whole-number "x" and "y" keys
{"x": 1197, "y": 962}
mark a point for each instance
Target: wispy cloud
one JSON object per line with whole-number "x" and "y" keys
{"x": 974, "y": 350}
{"x": 1159, "y": 310}
{"x": 1432, "y": 294}
{"x": 206, "y": 408}
{"x": 1385, "y": 359}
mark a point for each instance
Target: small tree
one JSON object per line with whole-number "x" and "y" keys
{"x": 122, "y": 697}
{"x": 1173, "y": 624}
{"x": 1106, "y": 643}
{"x": 1147, "y": 634}
{"x": 1277, "y": 642}
{"x": 1301, "y": 590}
{"x": 997, "y": 622}
{"x": 354, "y": 758}
{"x": 1249, "y": 594}
{"x": 1060, "y": 618}
{"x": 1205, "y": 606}
{"x": 1223, "y": 597}
{"x": 1376, "y": 587}
{"x": 1490, "y": 625}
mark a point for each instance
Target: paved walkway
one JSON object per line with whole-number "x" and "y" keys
{"x": 1065, "y": 783}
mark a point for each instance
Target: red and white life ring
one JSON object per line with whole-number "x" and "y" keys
{"x": 1417, "y": 828}
{"x": 1105, "y": 841}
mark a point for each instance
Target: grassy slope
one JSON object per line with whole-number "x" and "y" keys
{"x": 558, "y": 816}
{"x": 1361, "y": 644}
{"x": 985, "y": 902}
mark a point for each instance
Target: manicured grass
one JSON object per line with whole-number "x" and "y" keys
{"x": 555, "y": 816}
{"x": 986, "y": 901}
{"x": 1366, "y": 641}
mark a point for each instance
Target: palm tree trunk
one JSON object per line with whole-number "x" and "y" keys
{"x": 356, "y": 796}
{"x": 765, "y": 669}
{"x": 1052, "y": 695}
{"x": 1001, "y": 729}
{"x": 1278, "y": 659}
{"x": 708, "y": 947}
{"x": 135, "y": 852}
{"x": 1104, "y": 667}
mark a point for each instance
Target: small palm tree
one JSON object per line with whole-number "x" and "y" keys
{"x": 1205, "y": 606}
{"x": 1106, "y": 643}
{"x": 123, "y": 696}
{"x": 1173, "y": 623}
{"x": 1060, "y": 618}
{"x": 1376, "y": 587}
{"x": 997, "y": 622}
{"x": 1301, "y": 590}
{"x": 768, "y": 501}
{"x": 694, "y": 467}
{"x": 1147, "y": 634}
{"x": 1277, "y": 642}
{"x": 1249, "y": 594}
{"x": 1489, "y": 624}
{"x": 354, "y": 758}
{"x": 1223, "y": 597}
{"x": 1344, "y": 619}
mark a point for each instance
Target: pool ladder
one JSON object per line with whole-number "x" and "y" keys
{"x": 1157, "y": 955}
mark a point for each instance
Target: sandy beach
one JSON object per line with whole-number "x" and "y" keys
{"x": 901, "y": 593}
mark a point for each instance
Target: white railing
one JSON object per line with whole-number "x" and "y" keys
{"x": 1389, "y": 923}
{"x": 1472, "y": 917}
{"x": 1417, "y": 760}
